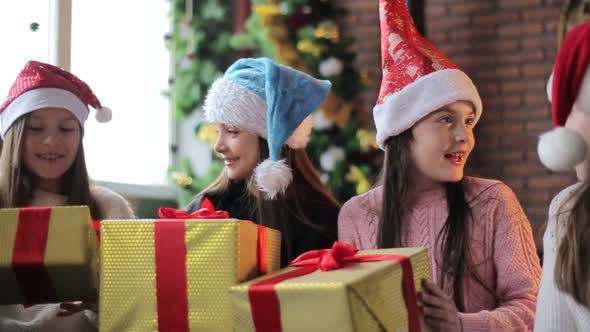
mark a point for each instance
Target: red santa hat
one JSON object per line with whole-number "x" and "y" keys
{"x": 417, "y": 77}
{"x": 40, "y": 85}
{"x": 568, "y": 87}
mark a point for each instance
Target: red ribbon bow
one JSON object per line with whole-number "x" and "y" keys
{"x": 264, "y": 301}
{"x": 205, "y": 212}
{"x": 328, "y": 259}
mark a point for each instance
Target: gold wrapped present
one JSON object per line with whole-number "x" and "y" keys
{"x": 336, "y": 289}
{"x": 47, "y": 255}
{"x": 174, "y": 275}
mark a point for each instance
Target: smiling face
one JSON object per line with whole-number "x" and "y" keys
{"x": 442, "y": 143}
{"x": 239, "y": 150}
{"x": 51, "y": 143}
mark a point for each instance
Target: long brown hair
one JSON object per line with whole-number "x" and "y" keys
{"x": 17, "y": 183}
{"x": 572, "y": 271}
{"x": 454, "y": 237}
{"x": 288, "y": 208}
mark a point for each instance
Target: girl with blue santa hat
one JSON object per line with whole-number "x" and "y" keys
{"x": 262, "y": 112}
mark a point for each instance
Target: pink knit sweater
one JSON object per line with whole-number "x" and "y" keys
{"x": 503, "y": 249}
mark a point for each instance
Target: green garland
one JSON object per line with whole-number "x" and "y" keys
{"x": 199, "y": 43}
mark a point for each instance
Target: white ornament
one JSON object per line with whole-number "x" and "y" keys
{"x": 185, "y": 30}
{"x": 320, "y": 121}
{"x": 186, "y": 63}
{"x": 331, "y": 157}
{"x": 331, "y": 67}
{"x": 325, "y": 177}
{"x": 284, "y": 8}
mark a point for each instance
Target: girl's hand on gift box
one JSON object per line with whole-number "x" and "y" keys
{"x": 70, "y": 308}
{"x": 439, "y": 310}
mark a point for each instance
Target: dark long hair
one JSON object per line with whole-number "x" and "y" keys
{"x": 572, "y": 271}
{"x": 289, "y": 208}
{"x": 454, "y": 239}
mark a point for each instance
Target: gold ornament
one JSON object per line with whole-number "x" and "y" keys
{"x": 208, "y": 134}
{"x": 337, "y": 110}
{"x": 366, "y": 76}
{"x": 266, "y": 10}
{"x": 307, "y": 46}
{"x": 355, "y": 175}
{"x": 327, "y": 30}
{"x": 367, "y": 140}
{"x": 181, "y": 179}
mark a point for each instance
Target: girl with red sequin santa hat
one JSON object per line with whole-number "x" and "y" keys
{"x": 42, "y": 164}
{"x": 482, "y": 254}
{"x": 564, "y": 295}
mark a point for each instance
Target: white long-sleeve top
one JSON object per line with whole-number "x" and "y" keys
{"x": 556, "y": 310}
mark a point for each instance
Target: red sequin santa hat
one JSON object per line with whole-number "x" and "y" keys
{"x": 562, "y": 148}
{"x": 417, "y": 77}
{"x": 40, "y": 85}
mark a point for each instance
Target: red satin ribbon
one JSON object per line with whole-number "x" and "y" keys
{"x": 171, "y": 282}
{"x": 96, "y": 227}
{"x": 28, "y": 257}
{"x": 264, "y": 302}
{"x": 202, "y": 213}
{"x": 261, "y": 258}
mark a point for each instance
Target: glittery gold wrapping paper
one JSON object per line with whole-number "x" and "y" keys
{"x": 362, "y": 297}
{"x": 219, "y": 253}
{"x": 70, "y": 255}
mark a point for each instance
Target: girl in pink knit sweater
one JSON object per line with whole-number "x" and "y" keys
{"x": 485, "y": 269}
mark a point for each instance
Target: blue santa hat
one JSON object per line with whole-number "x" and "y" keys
{"x": 273, "y": 101}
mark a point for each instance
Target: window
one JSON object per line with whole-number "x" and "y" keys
{"x": 118, "y": 48}
{"x": 19, "y": 43}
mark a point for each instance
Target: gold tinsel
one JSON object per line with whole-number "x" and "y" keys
{"x": 181, "y": 179}
{"x": 307, "y": 46}
{"x": 327, "y": 30}
{"x": 356, "y": 176}
{"x": 208, "y": 134}
{"x": 367, "y": 140}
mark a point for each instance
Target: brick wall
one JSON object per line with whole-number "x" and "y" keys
{"x": 507, "y": 47}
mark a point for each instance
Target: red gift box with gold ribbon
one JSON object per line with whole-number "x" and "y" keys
{"x": 47, "y": 255}
{"x": 174, "y": 274}
{"x": 338, "y": 289}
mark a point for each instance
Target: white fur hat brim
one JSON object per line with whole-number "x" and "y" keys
{"x": 231, "y": 103}
{"x": 36, "y": 99}
{"x": 401, "y": 110}
{"x": 561, "y": 149}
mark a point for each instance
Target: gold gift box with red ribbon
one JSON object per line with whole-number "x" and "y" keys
{"x": 336, "y": 289}
{"x": 47, "y": 255}
{"x": 174, "y": 275}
